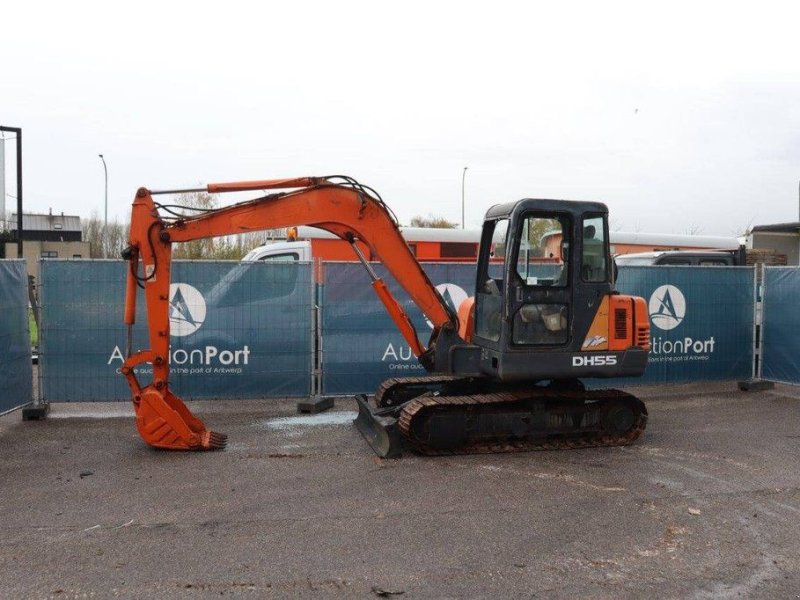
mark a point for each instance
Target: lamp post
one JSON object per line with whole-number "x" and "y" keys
{"x": 463, "y": 176}
{"x": 105, "y": 170}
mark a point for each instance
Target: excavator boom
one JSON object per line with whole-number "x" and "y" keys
{"x": 346, "y": 209}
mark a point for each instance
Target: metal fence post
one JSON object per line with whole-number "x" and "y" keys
{"x": 756, "y": 316}
{"x": 316, "y": 402}
{"x": 755, "y": 383}
{"x": 40, "y": 408}
{"x": 760, "y": 319}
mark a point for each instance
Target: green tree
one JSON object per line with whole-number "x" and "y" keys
{"x": 537, "y": 228}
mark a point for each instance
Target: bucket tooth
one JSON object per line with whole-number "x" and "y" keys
{"x": 379, "y": 430}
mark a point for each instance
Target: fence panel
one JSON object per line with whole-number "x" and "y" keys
{"x": 237, "y": 330}
{"x": 701, "y": 321}
{"x": 780, "y": 352}
{"x": 360, "y": 343}
{"x": 15, "y": 340}
{"x": 245, "y": 329}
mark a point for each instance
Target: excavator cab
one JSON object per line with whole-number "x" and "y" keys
{"x": 544, "y": 277}
{"x": 544, "y": 316}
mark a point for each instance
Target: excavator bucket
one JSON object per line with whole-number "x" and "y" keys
{"x": 164, "y": 421}
{"x": 379, "y": 428}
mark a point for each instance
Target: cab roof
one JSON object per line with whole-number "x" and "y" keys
{"x": 575, "y": 207}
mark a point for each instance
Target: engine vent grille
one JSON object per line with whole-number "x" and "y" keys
{"x": 620, "y": 323}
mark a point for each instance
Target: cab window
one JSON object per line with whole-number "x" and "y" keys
{"x": 288, "y": 257}
{"x": 489, "y": 296}
{"x": 594, "y": 265}
{"x": 675, "y": 261}
{"x": 715, "y": 262}
{"x": 543, "y": 254}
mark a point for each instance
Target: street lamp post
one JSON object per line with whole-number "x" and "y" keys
{"x": 105, "y": 170}
{"x": 463, "y": 176}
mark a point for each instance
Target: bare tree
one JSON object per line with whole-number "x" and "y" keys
{"x": 433, "y": 221}
{"x": 105, "y": 241}
{"x": 195, "y": 203}
{"x": 232, "y": 247}
{"x": 694, "y": 229}
{"x": 108, "y": 241}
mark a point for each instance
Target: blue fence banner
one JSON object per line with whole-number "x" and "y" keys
{"x": 701, "y": 324}
{"x": 360, "y": 343}
{"x": 701, "y": 321}
{"x": 245, "y": 330}
{"x": 15, "y": 339}
{"x": 237, "y": 330}
{"x": 780, "y": 353}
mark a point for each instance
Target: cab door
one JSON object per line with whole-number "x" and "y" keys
{"x": 539, "y": 272}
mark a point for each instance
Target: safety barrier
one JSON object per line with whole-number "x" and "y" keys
{"x": 701, "y": 324}
{"x": 701, "y": 321}
{"x": 781, "y": 325}
{"x": 360, "y": 344}
{"x": 15, "y": 340}
{"x": 249, "y": 329}
{"x": 238, "y": 330}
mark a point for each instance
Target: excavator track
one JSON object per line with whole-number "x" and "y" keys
{"x": 395, "y": 391}
{"x": 521, "y": 420}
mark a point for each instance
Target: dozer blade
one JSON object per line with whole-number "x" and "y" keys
{"x": 164, "y": 421}
{"x": 380, "y": 430}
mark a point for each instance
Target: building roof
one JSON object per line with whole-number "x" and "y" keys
{"x": 777, "y": 228}
{"x": 672, "y": 240}
{"x": 411, "y": 234}
{"x": 46, "y": 222}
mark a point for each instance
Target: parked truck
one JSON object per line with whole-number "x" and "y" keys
{"x": 426, "y": 244}
{"x": 702, "y": 258}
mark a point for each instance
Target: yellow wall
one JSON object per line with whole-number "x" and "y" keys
{"x": 32, "y": 252}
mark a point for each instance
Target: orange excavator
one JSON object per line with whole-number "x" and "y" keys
{"x": 504, "y": 370}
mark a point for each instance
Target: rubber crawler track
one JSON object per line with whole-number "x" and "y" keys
{"x": 421, "y": 406}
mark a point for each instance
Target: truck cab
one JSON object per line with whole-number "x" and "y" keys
{"x": 281, "y": 251}
{"x": 428, "y": 244}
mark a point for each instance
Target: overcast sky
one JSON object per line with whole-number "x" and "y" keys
{"x": 682, "y": 117}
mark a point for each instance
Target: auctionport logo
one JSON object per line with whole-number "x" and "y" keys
{"x": 667, "y": 307}
{"x": 187, "y": 309}
{"x": 187, "y": 313}
{"x": 453, "y": 296}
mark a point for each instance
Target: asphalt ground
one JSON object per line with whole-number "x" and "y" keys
{"x": 706, "y": 505}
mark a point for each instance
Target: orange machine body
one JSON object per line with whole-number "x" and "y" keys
{"x": 617, "y": 316}
{"x": 356, "y": 215}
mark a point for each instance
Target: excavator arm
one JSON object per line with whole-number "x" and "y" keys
{"x": 347, "y": 209}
